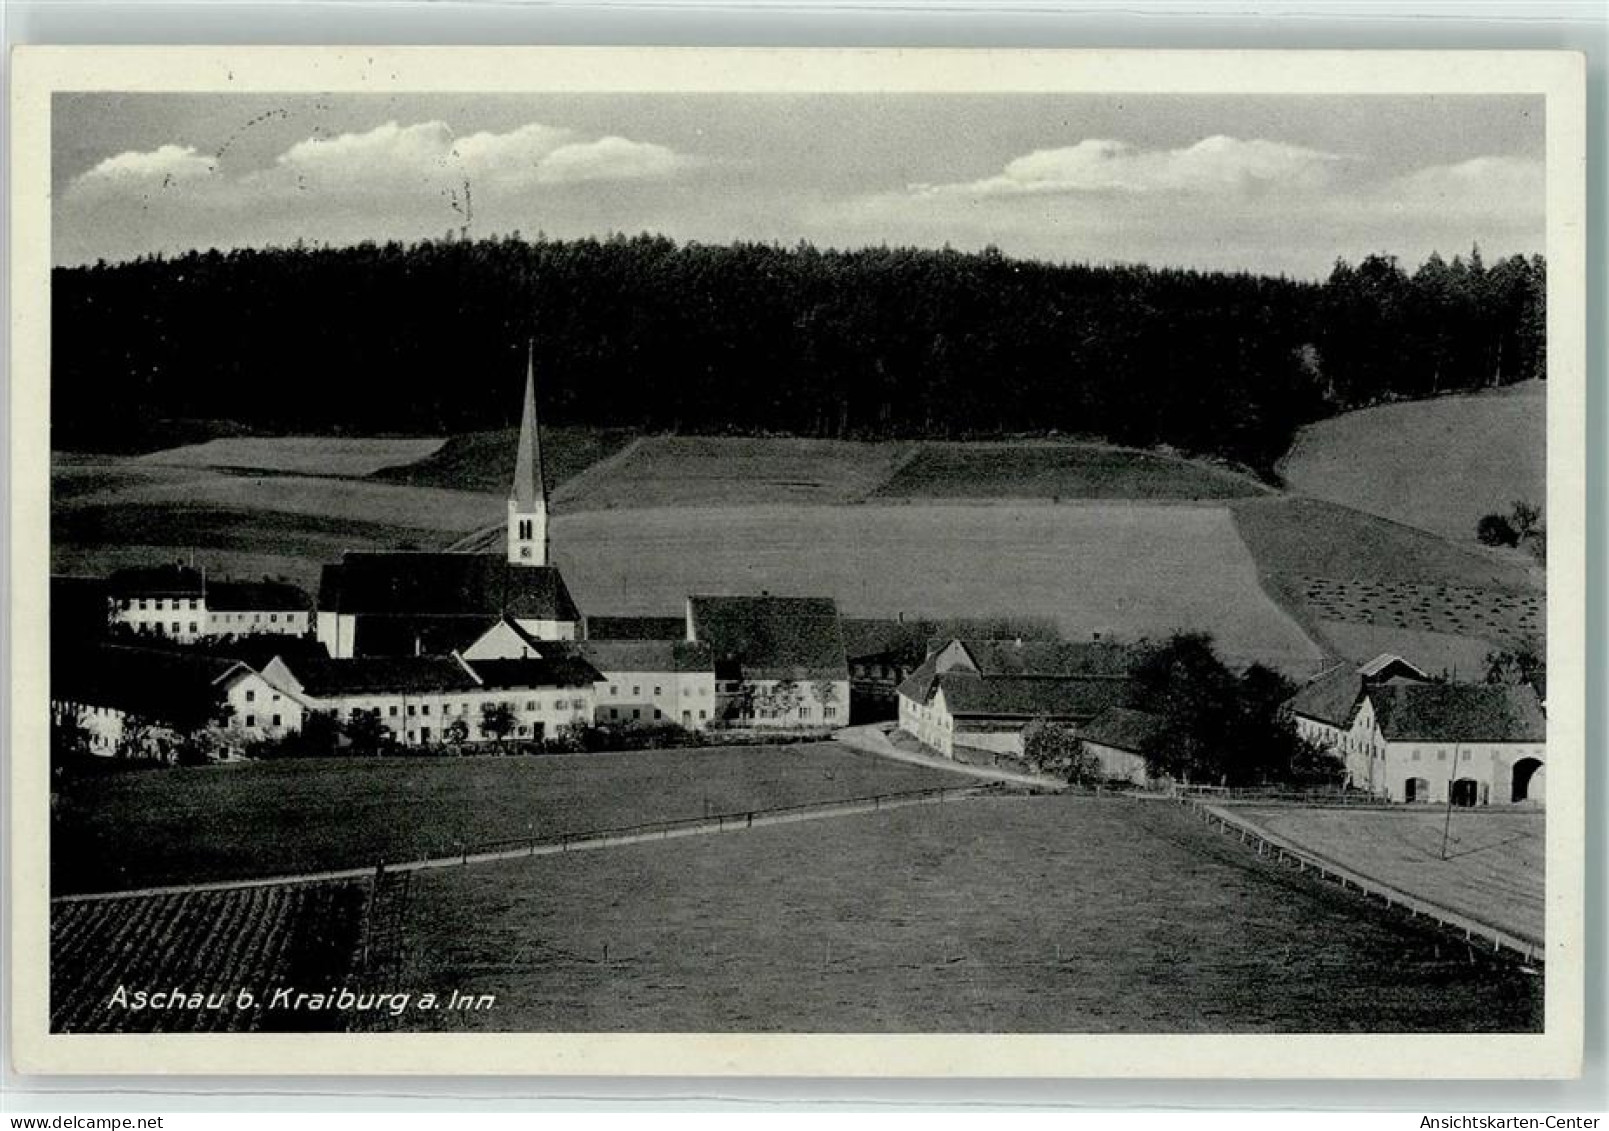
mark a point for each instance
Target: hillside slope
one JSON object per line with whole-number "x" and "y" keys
{"x": 1438, "y": 465}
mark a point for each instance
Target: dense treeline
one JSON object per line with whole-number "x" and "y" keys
{"x": 641, "y": 332}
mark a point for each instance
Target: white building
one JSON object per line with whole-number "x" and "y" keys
{"x": 1404, "y": 738}
{"x": 157, "y": 698}
{"x": 419, "y": 699}
{"x": 181, "y": 603}
{"x": 982, "y": 694}
{"x": 779, "y": 662}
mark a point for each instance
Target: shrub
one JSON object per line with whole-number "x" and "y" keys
{"x": 1495, "y": 530}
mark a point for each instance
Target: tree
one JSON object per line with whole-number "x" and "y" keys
{"x": 497, "y": 720}
{"x": 1495, "y": 530}
{"x": 1055, "y": 749}
{"x": 1525, "y": 518}
{"x": 70, "y": 738}
{"x": 367, "y": 733}
{"x": 457, "y": 732}
{"x": 137, "y": 742}
{"x": 1523, "y": 663}
{"x": 782, "y": 698}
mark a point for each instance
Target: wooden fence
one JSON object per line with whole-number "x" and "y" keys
{"x": 1281, "y": 851}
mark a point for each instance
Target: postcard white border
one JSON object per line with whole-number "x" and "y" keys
{"x": 40, "y": 71}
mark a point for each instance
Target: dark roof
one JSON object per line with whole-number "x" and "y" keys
{"x": 636, "y": 628}
{"x": 1048, "y": 657}
{"x": 380, "y": 675}
{"x": 1331, "y": 698}
{"x": 247, "y": 595}
{"x": 163, "y": 580}
{"x": 919, "y": 684}
{"x": 772, "y": 637}
{"x": 417, "y": 635}
{"x": 558, "y": 671}
{"x": 1122, "y": 728}
{"x": 644, "y": 655}
{"x": 1055, "y": 697}
{"x": 445, "y": 584}
{"x": 1458, "y": 712}
{"x": 176, "y": 688}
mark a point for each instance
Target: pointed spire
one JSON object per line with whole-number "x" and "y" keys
{"x": 528, "y": 462}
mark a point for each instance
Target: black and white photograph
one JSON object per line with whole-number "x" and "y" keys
{"x": 935, "y": 560}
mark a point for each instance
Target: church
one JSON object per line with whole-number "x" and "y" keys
{"x": 410, "y": 603}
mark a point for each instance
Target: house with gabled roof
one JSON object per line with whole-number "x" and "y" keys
{"x": 1404, "y": 737}
{"x": 982, "y": 694}
{"x": 1120, "y": 737}
{"x": 419, "y": 699}
{"x": 779, "y": 662}
{"x": 150, "y": 699}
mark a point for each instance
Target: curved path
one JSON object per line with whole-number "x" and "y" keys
{"x": 873, "y": 739}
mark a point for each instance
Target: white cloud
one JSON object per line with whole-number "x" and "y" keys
{"x": 1215, "y": 164}
{"x": 168, "y": 164}
{"x": 609, "y": 159}
{"x": 1512, "y": 186}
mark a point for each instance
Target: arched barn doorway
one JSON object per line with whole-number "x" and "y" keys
{"x": 1466, "y": 793}
{"x": 1527, "y": 780}
{"x": 1416, "y": 790}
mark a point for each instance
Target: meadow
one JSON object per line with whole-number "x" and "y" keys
{"x": 229, "y": 822}
{"x": 484, "y": 461}
{"x": 299, "y": 455}
{"x": 1438, "y": 464}
{"x": 1494, "y": 872}
{"x": 1027, "y": 470}
{"x": 1047, "y": 914}
{"x": 1128, "y": 571}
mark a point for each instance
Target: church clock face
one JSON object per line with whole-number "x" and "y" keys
{"x": 525, "y": 551}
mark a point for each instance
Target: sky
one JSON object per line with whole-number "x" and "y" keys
{"x": 1275, "y": 184}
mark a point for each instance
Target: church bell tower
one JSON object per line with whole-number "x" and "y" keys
{"x": 527, "y": 501}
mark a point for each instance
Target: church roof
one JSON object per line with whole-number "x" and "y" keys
{"x": 528, "y": 461}
{"x": 445, "y": 584}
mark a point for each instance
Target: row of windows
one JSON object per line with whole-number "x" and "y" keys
{"x": 392, "y": 710}
{"x": 274, "y": 721}
{"x": 615, "y": 714}
{"x": 636, "y": 689}
{"x": 161, "y": 603}
{"x": 804, "y": 713}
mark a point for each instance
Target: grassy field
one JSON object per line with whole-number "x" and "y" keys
{"x": 712, "y": 471}
{"x": 1013, "y": 915}
{"x": 213, "y": 943}
{"x": 484, "y": 461}
{"x": 1058, "y": 471}
{"x": 1458, "y": 657}
{"x": 1496, "y": 860}
{"x": 1123, "y": 570}
{"x": 1437, "y": 464}
{"x": 230, "y": 822}
{"x": 342, "y": 456}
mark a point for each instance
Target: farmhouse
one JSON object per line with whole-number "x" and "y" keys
{"x": 419, "y": 700}
{"x": 778, "y": 661}
{"x": 413, "y": 603}
{"x": 981, "y": 694}
{"x": 144, "y": 702}
{"x": 181, "y": 603}
{"x": 640, "y": 681}
{"x": 1404, "y": 738}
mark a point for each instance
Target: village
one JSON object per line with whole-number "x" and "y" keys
{"x": 444, "y": 651}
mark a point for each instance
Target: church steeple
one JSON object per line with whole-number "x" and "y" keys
{"x": 527, "y": 500}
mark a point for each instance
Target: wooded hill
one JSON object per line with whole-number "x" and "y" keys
{"x": 750, "y": 338}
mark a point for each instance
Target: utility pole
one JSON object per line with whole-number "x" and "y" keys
{"x": 1447, "y": 825}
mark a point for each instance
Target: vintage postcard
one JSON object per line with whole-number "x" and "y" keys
{"x": 807, "y": 562}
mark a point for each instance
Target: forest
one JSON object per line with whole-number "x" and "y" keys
{"x": 642, "y": 332}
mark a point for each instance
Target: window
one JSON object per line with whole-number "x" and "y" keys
{"x": 525, "y": 529}
{"x": 392, "y": 710}
{"x": 251, "y": 720}
{"x": 686, "y": 692}
{"x": 274, "y": 617}
{"x": 125, "y": 603}
{"x": 251, "y": 696}
{"x": 657, "y": 689}
{"x": 425, "y": 710}
{"x": 276, "y": 697}
{"x": 635, "y": 713}
{"x": 276, "y": 720}
{"x": 194, "y": 604}
{"x": 636, "y": 689}
{"x": 411, "y": 709}
{"x": 578, "y": 704}
{"x": 657, "y": 713}
{"x": 142, "y": 602}
{"x": 829, "y": 712}
{"x": 614, "y": 713}
{"x": 1441, "y": 755}
{"x": 175, "y": 628}
{"x": 1416, "y": 755}
{"x": 804, "y": 712}
{"x": 530, "y": 704}
{"x": 424, "y": 734}
{"x": 701, "y": 714}
{"x": 613, "y": 690}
